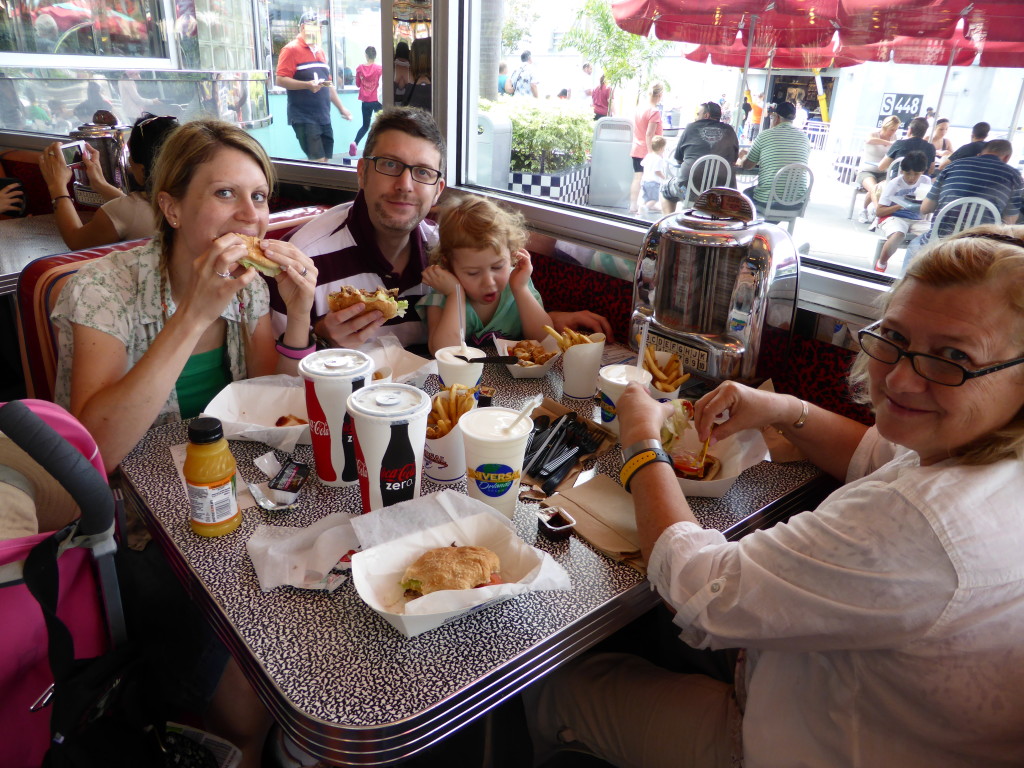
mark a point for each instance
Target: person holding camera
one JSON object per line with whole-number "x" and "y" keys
{"x": 122, "y": 216}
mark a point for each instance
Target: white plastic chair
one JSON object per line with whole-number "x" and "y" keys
{"x": 969, "y": 212}
{"x": 705, "y": 174}
{"x": 791, "y": 187}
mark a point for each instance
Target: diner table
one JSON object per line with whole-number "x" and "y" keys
{"x": 344, "y": 684}
{"x": 23, "y": 241}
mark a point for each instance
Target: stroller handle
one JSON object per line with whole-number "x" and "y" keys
{"x": 63, "y": 462}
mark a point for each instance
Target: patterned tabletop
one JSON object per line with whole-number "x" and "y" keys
{"x": 338, "y": 677}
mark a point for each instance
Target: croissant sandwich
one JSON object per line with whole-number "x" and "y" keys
{"x": 451, "y": 568}
{"x": 384, "y": 301}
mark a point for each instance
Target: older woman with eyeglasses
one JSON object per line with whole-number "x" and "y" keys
{"x": 884, "y": 627}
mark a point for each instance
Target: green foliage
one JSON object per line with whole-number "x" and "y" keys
{"x": 621, "y": 55}
{"x": 519, "y": 18}
{"x": 547, "y": 136}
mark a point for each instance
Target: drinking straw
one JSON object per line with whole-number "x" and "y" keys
{"x": 643, "y": 346}
{"x": 462, "y": 320}
{"x": 532, "y": 403}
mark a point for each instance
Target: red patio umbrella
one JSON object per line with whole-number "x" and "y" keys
{"x": 995, "y": 20}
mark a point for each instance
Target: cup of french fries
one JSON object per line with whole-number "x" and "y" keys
{"x": 444, "y": 457}
{"x": 581, "y": 360}
{"x": 666, "y": 371}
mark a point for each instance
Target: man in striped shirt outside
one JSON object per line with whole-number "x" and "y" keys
{"x": 987, "y": 176}
{"x": 780, "y": 145}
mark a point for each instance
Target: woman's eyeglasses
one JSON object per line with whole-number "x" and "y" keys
{"x": 141, "y": 125}
{"x": 934, "y": 369}
{"x": 391, "y": 167}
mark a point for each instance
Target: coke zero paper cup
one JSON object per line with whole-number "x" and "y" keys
{"x": 391, "y": 428}
{"x": 331, "y": 375}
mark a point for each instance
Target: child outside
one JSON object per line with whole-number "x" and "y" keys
{"x": 899, "y": 207}
{"x": 654, "y": 173}
{"x": 481, "y": 247}
{"x": 368, "y": 80}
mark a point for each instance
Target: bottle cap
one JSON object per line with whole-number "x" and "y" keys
{"x": 205, "y": 429}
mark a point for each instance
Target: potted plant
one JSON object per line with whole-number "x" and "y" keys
{"x": 550, "y": 147}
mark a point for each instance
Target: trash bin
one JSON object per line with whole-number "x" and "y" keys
{"x": 493, "y": 150}
{"x": 611, "y": 168}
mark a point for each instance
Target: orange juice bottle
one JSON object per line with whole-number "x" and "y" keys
{"x": 210, "y": 477}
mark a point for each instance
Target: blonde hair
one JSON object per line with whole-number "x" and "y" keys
{"x": 990, "y": 255}
{"x": 891, "y": 122}
{"x": 657, "y": 143}
{"x": 476, "y": 222}
{"x": 181, "y": 154}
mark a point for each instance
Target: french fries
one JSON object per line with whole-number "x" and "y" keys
{"x": 446, "y": 407}
{"x": 669, "y": 378}
{"x": 568, "y": 338}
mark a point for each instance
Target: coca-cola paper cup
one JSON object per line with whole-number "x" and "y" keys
{"x": 580, "y": 364}
{"x": 613, "y": 380}
{"x": 391, "y": 428}
{"x": 494, "y": 455}
{"x": 331, "y": 375}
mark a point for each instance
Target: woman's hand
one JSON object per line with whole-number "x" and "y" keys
{"x": 748, "y": 409}
{"x": 55, "y": 171}
{"x": 216, "y": 278}
{"x": 93, "y": 169}
{"x": 440, "y": 279}
{"x": 297, "y": 281}
{"x": 521, "y": 272}
{"x": 640, "y": 415}
{"x": 12, "y": 198}
{"x": 585, "y": 319}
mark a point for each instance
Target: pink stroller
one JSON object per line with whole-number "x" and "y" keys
{"x": 88, "y": 601}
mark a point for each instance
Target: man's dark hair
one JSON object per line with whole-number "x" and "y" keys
{"x": 998, "y": 147}
{"x": 714, "y": 110}
{"x": 525, "y": 56}
{"x": 918, "y": 127}
{"x": 914, "y": 161}
{"x": 410, "y": 121}
{"x": 980, "y": 131}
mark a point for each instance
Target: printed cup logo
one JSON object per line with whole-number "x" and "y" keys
{"x": 320, "y": 435}
{"x": 493, "y": 479}
{"x": 400, "y": 474}
{"x": 361, "y": 467}
{"x": 319, "y": 428}
{"x": 607, "y": 409}
{"x": 433, "y": 459}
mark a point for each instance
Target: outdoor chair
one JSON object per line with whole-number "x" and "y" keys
{"x": 706, "y": 173}
{"x": 789, "y": 194}
{"x": 968, "y": 212}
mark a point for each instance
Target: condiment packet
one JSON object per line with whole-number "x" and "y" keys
{"x": 282, "y": 490}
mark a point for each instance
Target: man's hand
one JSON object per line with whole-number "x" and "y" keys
{"x": 349, "y": 327}
{"x": 584, "y": 319}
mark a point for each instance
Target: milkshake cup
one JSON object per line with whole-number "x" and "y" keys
{"x": 390, "y": 428}
{"x": 580, "y": 364}
{"x": 613, "y": 380}
{"x": 494, "y": 455}
{"x": 331, "y": 375}
{"x": 455, "y": 371}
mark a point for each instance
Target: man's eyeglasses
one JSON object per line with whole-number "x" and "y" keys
{"x": 391, "y": 167}
{"x": 934, "y": 369}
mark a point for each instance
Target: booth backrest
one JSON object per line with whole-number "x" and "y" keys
{"x": 40, "y": 284}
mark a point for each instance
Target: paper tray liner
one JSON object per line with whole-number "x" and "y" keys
{"x": 553, "y": 409}
{"x": 604, "y": 517}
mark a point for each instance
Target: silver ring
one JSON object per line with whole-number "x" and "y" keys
{"x": 304, "y": 272}
{"x": 225, "y": 275}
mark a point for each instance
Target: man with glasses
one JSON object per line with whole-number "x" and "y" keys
{"x": 707, "y": 135}
{"x": 381, "y": 238}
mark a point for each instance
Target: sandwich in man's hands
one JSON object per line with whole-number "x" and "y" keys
{"x": 451, "y": 568}
{"x": 685, "y": 462}
{"x": 256, "y": 259}
{"x": 384, "y": 301}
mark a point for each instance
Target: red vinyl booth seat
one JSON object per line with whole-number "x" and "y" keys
{"x": 40, "y": 284}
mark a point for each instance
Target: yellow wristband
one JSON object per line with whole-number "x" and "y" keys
{"x": 641, "y": 459}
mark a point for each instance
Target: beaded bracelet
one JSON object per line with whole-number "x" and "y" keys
{"x": 294, "y": 353}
